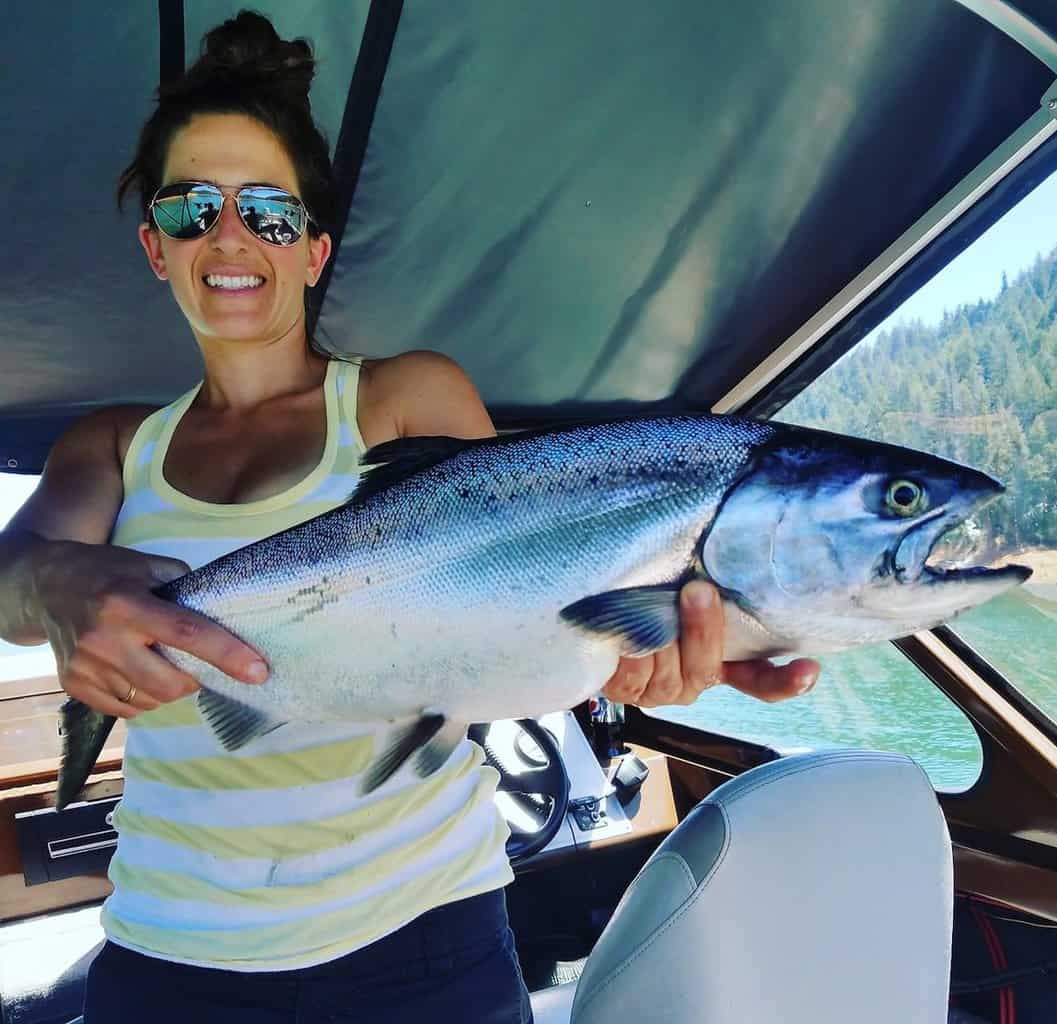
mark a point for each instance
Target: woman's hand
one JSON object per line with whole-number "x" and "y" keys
{"x": 682, "y": 671}
{"x": 102, "y": 621}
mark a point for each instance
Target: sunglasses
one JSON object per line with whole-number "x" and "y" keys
{"x": 188, "y": 209}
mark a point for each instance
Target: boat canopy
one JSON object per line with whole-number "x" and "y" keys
{"x": 592, "y": 206}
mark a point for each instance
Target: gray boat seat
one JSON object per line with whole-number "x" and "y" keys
{"x": 43, "y": 964}
{"x": 817, "y": 889}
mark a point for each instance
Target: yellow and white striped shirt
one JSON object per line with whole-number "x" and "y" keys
{"x": 268, "y": 858}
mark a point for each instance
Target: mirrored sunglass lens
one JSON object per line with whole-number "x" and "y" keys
{"x": 183, "y": 212}
{"x": 272, "y": 215}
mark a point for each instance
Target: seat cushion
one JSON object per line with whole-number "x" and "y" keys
{"x": 554, "y": 1005}
{"x": 815, "y": 888}
{"x": 43, "y": 965}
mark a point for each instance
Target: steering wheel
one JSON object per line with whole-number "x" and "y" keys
{"x": 542, "y": 791}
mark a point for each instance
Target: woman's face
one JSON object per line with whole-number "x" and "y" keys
{"x": 234, "y": 150}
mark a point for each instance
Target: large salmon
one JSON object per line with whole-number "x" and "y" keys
{"x": 468, "y": 581}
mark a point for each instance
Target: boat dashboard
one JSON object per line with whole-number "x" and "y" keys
{"x": 51, "y": 861}
{"x": 610, "y": 800}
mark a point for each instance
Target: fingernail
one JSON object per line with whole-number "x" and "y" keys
{"x": 699, "y": 595}
{"x": 808, "y": 683}
{"x": 257, "y": 672}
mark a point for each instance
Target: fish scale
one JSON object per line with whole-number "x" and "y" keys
{"x": 467, "y": 581}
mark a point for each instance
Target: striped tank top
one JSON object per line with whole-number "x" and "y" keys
{"x": 268, "y": 858}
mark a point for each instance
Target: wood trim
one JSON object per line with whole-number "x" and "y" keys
{"x": 46, "y": 770}
{"x": 1020, "y": 886}
{"x": 1029, "y": 735}
{"x": 30, "y": 745}
{"x": 34, "y": 687}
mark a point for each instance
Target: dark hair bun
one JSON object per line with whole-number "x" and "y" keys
{"x": 247, "y": 46}
{"x": 244, "y": 68}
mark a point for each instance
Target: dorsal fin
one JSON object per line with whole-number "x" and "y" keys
{"x": 393, "y": 461}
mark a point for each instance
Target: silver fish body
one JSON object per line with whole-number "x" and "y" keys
{"x": 471, "y": 581}
{"x": 444, "y": 589}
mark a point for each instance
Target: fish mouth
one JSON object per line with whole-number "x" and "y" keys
{"x": 909, "y": 562}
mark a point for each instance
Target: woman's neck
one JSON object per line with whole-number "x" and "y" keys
{"x": 240, "y": 376}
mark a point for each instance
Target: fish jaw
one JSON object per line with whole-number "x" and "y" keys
{"x": 926, "y": 595}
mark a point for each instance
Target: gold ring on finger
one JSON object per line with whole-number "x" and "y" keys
{"x": 127, "y": 699}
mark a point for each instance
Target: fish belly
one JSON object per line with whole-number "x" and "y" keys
{"x": 481, "y": 665}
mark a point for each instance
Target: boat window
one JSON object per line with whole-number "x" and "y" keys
{"x": 20, "y": 663}
{"x": 870, "y": 698}
{"x": 965, "y": 368}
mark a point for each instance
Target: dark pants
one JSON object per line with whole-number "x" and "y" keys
{"x": 454, "y": 963}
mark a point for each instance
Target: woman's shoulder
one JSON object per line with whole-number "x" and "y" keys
{"x": 410, "y": 369}
{"x": 107, "y": 430}
{"x": 420, "y": 392}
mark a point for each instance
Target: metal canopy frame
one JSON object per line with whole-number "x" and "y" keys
{"x": 775, "y": 380}
{"x": 1018, "y": 26}
{"x": 365, "y": 88}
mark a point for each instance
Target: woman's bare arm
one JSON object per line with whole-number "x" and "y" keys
{"x": 61, "y": 582}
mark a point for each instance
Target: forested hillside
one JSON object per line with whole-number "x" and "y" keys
{"x": 981, "y": 387}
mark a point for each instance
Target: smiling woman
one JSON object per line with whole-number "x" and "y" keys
{"x": 306, "y": 868}
{"x": 194, "y": 236}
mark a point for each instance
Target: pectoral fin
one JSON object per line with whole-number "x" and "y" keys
{"x": 84, "y": 732}
{"x": 642, "y": 619}
{"x": 233, "y": 723}
{"x": 431, "y": 736}
{"x": 435, "y": 753}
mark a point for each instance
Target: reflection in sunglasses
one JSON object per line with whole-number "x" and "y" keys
{"x": 186, "y": 210}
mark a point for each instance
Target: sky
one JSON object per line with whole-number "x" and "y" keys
{"x": 1011, "y": 245}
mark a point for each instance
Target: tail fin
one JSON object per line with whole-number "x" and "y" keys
{"x": 84, "y": 733}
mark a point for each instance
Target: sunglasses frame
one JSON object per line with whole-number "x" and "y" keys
{"x": 232, "y": 191}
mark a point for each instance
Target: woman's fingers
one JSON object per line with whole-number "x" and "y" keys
{"x": 165, "y": 570}
{"x": 772, "y": 683}
{"x": 103, "y": 689}
{"x": 665, "y": 683}
{"x": 133, "y": 675}
{"x": 700, "y": 639}
{"x": 155, "y": 677}
{"x": 103, "y": 620}
{"x": 628, "y": 682}
{"x": 680, "y": 673}
{"x": 158, "y": 621}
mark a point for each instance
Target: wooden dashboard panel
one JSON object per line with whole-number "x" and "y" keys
{"x": 652, "y": 811}
{"x": 20, "y": 900}
{"x": 30, "y": 745}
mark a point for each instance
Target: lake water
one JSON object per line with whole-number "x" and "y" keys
{"x": 874, "y": 697}
{"x": 870, "y": 697}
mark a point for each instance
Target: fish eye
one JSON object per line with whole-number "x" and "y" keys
{"x": 905, "y": 498}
